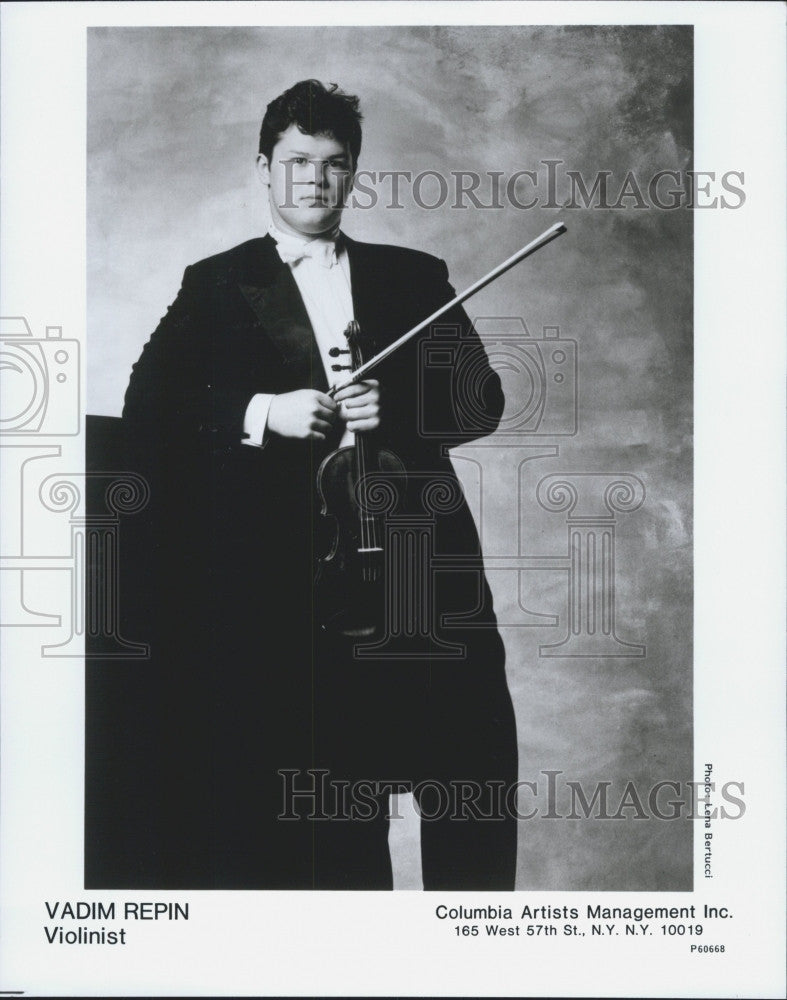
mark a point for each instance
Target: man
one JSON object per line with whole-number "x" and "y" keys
{"x": 264, "y": 711}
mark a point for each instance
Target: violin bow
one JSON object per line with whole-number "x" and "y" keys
{"x": 540, "y": 241}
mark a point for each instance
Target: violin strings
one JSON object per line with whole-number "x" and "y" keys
{"x": 368, "y": 539}
{"x": 370, "y": 544}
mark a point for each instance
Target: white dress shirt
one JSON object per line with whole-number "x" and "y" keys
{"x": 322, "y": 273}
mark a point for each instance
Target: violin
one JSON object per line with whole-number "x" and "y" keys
{"x": 350, "y": 579}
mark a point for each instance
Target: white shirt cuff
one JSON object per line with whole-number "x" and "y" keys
{"x": 255, "y": 420}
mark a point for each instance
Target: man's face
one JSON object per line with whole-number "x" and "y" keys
{"x": 308, "y": 179}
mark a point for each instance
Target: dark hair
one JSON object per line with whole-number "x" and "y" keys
{"x": 316, "y": 110}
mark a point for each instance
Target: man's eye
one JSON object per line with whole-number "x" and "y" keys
{"x": 299, "y": 159}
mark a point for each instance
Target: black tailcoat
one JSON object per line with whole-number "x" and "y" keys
{"x": 248, "y": 684}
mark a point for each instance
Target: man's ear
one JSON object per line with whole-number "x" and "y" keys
{"x": 263, "y": 170}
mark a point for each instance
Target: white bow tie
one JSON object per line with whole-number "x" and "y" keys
{"x": 292, "y": 251}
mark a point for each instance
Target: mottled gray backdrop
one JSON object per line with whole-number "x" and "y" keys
{"x": 173, "y": 118}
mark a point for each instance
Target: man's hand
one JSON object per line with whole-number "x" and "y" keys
{"x": 305, "y": 414}
{"x": 359, "y": 405}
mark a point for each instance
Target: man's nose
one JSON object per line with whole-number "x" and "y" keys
{"x": 320, "y": 168}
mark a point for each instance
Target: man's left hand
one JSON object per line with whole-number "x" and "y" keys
{"x": 359, "y": 405}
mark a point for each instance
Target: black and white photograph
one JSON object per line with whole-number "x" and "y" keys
{"x": 322, "y": 628}
{"x": 393, "y": 513}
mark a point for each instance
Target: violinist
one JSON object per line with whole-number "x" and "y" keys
{"x": 230, "y": 412}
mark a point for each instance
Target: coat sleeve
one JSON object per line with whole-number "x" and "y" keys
{"x": 176, "y": 397}
{"x": 443, "y": 391}
{"x": 462, "y": 393}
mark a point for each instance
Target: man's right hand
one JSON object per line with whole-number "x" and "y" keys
{"x": 305, "y": 413}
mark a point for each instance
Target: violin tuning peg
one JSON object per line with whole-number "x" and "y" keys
{"x": 353, "y": 330}
{"x": 341, "y": 368}
{"x": 336, "y": 351}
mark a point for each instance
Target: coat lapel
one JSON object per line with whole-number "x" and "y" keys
{"x": 270, "y": 290}
{"x": 363, "y": 279}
